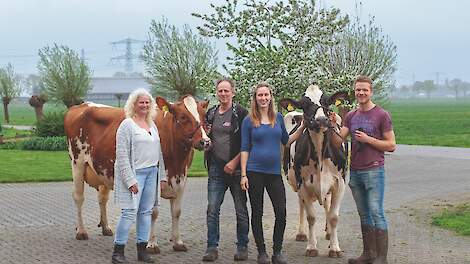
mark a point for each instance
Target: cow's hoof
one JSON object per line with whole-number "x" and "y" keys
{"x": 311, "y": 252}
{"x": 335, "y": 254}
{"x": 81, "y": 235}
{"x": 301, "y": 237}
{"x": 155, "y": 250}
{"x": 107, "y": 232}
{"x": 327, "y": 236}
{"x": 180, "y": 247}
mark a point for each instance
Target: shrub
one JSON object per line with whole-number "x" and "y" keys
{"x": 11, "y": 145}
{"x": 45, "y": 143}
{"x": 51, "y": 126}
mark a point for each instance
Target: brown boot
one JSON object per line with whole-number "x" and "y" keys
{"x": 167, "y": 191}
{"x": 381, "y": 236}
{"x": 118, "y": 255}
{"x": 369, "y": 246}
{"x": 142, "y": 254}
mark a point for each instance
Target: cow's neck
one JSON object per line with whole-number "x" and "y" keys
{"x": 321, "y": 185}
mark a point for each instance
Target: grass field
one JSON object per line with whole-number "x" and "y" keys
{"x": 42, "y": 166}
{"x": 457, "y": 219}
{"x": 434, "y": 123}
{"x": 23, "y": 113}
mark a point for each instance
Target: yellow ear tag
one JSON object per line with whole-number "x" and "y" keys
{"x": 338, "y": 102}
{"x": 290, "y": 108}
{"x": 165, "y": 108}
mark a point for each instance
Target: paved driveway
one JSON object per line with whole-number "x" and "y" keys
{"x": 37, "y": 220}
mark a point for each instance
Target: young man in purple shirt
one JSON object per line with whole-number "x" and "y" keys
{"x": 371, "y": 131}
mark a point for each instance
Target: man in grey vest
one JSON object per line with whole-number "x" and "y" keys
{"x": 223, "y": 164}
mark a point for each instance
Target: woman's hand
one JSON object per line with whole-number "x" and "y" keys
{"x": 134, "y": 189}
{"x": 244, "y": 183}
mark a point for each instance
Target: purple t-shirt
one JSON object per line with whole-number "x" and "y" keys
{"x": 374, "y": 123}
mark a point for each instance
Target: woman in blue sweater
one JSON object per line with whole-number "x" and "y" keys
{"x": 263, "y": 131}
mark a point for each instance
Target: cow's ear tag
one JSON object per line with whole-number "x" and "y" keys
{"x": 338, "y": 102}
{"x": 290, "y": 107}
{"x": 165, "y": 108}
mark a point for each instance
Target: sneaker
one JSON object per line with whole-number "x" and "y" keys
{"x": 263, "y": 258}
{"x": 241, "y": 254}
{"x": 211, "y": 254}
{"x": 279, "y": 258}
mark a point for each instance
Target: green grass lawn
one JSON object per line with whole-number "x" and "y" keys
{"x": 23, "y": 113}
{"x": 419, "y": 122}
{"x": 43, "y": 166}
{"x": 457, "y": 219}
{"x": 434, "y": 123}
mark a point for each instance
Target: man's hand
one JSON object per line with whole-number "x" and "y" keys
{"x": 362, "y": 137}
{"x": 134, "y": 189}
{"x": 230, "y": 167}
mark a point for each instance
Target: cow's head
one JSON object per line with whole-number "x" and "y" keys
{"x": 188, "y": 116}
{"x": 315, "y": 106}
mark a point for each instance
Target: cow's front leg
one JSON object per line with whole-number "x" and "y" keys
{"x": 333, "y": 217}
{"x": 103, "y": 197}
{"x": 327, "y": 206}
{"x": 301, "y": 235}
{"x": 312, "y": 250}
{"x": 152, "y": 246}
{"x": 78, "y": 197}
{"x": 175, "y": 204}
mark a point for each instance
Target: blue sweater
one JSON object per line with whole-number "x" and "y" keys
{"x": 263, "y": 145}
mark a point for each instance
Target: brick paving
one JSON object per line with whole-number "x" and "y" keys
{"x": 37, "y": 220}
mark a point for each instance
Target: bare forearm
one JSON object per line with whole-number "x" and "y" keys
{"x": 243, "y": 161}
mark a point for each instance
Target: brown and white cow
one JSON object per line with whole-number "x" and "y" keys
{"x": 315, "y": 169}
{"x": 91, "y": 135}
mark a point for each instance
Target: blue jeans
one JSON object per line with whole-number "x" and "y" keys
{"x": 217, "y": 185}
{"x": 147, "y": 185}
{"x": 367, "y": 188}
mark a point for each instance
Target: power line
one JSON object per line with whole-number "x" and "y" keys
{"x": 129, "y": 56}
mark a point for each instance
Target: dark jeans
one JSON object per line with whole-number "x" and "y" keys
{"x": 275, "y": 187}
{"x": 217, "y": 185}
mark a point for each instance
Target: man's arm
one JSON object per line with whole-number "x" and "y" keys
{"x": 386, "y": 144}
{"x": 232, "y": 165}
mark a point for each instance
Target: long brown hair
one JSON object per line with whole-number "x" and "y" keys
{"x": 255, "y": 114}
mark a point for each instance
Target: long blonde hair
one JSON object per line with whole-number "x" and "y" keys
{"x": 255, "y": 114}
{"x": 129, "y": 107}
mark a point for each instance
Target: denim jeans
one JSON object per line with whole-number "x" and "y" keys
{"x": 217, "y": 185}
{"x": 275, "y": 187}
{"x": 367, "y": 188}
{"x": 147, "y": 185}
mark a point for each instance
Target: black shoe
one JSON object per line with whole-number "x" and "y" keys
{"x": 279, "y": 258}
{"x": 142, "y": 254}
{"x": 241, "y": 254}
{"x": 211, "y": 254}
{"x": 118, "y": 255}
{"x": 263, "y": 258}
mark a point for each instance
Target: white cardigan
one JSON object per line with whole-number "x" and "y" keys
{"x": 124, "y": 169}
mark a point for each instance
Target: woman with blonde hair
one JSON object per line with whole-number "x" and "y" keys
{"x": 139, "y": 161}
{"x": 263, "y": 131}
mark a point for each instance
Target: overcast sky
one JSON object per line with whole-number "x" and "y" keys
{"x": 432, "y": 36}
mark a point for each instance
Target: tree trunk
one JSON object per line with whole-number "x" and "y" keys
{"x": 6, "y": 101}
{"x": 37, "y": 102}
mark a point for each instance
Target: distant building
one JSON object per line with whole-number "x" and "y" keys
{"x": 114, "y": 90}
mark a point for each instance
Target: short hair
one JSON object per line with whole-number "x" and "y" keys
{"x": 133, "y": 97}
{"x": 364, "y": 79}
{"x": 225, "y": 79}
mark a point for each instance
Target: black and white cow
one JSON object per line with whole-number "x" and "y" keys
{"x": 315, "y": 168}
